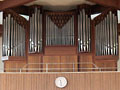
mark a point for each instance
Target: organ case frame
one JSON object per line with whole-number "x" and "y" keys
{"x": 79, "y": 54}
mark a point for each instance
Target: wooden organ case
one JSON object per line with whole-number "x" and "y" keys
{"x": 57, "y": 41}
{"x": 14, "y": 40}
{"x": 106, "y": 39}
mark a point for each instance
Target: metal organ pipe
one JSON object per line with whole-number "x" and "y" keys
{"x": 13, "y": 37}
{"x": 59, "y": 36}
{"x": 106, "y": 36}
{"x": 35, "y": 40}
{"x": 83, "y": 31}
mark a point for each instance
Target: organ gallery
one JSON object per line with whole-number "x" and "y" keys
{"x": 59, "y": 44}
{"x": 58, "y": 41}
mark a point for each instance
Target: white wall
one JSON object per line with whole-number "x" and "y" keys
{"x": 1, "y": 17}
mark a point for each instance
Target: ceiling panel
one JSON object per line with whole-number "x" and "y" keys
{"x": 59, "y": 2}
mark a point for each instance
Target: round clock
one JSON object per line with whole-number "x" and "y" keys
{"x": 61, "y": 82}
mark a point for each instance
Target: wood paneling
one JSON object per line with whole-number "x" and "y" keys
{"x": 50, "y": 60}
{"x": 14, "y": 66}
{"x": 107, "y": 65}
{"x": 86, "y": 62}
{"x": 76, "y": 81}
{"x": 54, "y": 50}
{"x": 72, "y": 63}
{"x": 34, "y": 63}
{"x": 66, "y": 63}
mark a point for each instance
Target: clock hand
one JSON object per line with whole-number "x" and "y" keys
{"x": 60, "y": 82}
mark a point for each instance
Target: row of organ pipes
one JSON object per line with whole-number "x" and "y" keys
{"x": 63, "y": 34}
{"x": 106, "y": 36}
{"x": 56, "y": 36}
{"x": 59, "y": 36}
{"x": 84, "y": 31}
{"x": 13, "y": 37}
{"x": 35, "y": 32}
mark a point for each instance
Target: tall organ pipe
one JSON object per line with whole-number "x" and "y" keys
{"x": 106, "y": 36}
{"x": 83, "y": 31}
{"x": 35, "y": 40}
{"x": 59, "y": 36}
{"x": 12, "y": 36}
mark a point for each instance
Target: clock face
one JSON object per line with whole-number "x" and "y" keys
{"x": 61, "y": 82}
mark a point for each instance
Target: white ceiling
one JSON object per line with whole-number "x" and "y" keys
{"x": 59, "y": 5}
{"x": 59, "y": 2}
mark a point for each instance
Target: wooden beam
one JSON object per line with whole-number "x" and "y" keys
{"x": 97, "y": 9}
{"x": 1, "y": 30}
{"x": 119, "y": 29}
{"x": 111, "y": 3}
{"x": 13, "y": 3}
{"x": 21, "y": 10}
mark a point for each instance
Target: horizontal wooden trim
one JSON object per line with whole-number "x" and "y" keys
{"x": 107, "y": 57}
{"x": 16, "y": 58}
{"x": 61, "y": 50}
{"x": 85, "y": 53}
{"x": 35, "y": 54}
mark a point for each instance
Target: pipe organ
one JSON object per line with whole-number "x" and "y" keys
{"x": 84, "y": 31}
{"x": 13, "y": 36}
{"x": 35, "y": 42}
{"x": 106, "y": 35}
{"x": 60, "y": 29}
{"x": 61, "y": 37}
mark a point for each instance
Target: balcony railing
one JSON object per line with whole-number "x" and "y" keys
{"x": 59, "y": 67}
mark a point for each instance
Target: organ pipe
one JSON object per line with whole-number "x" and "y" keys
{"x": 13, "y": 37}
{"x": 59, "y": 36}
{"x": 35, "y": 32}
{"x": 106, "y": 36}
{"x": 83, "y": 31}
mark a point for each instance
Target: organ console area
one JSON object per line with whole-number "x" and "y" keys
{"x": 60, "y": 41}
